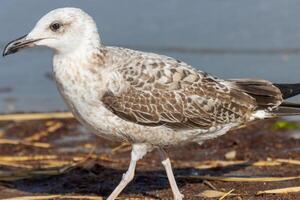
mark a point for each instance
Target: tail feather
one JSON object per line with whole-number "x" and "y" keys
{"x": 286, "y": 109}
{"x": 288, "y": 90}
{"x": 264, "y": 92}
{"x": 269, "y": 96}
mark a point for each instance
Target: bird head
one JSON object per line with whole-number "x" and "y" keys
{"x": 64, "y": 30}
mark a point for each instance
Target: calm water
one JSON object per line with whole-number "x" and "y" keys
{"x": 230, "y": 39}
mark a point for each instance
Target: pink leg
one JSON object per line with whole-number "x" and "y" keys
{"x": 167, "y": 164}
{"x": 137, "y": 153}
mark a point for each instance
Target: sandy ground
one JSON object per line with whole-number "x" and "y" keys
{"x": 61, "y": 158}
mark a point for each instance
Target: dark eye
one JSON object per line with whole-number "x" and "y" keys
{"x": 55, "y": 26}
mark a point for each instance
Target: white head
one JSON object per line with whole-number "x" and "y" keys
{"x": 64, "y": 30}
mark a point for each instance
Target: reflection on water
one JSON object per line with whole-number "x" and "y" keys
{"x": 258, "y": 39}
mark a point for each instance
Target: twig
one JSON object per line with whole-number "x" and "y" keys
{"x": 215, "y": 194}
{"x": 225, "y": 195}
{"x": 10, "y": 176}
{"x": 206, "y": 182}
{"x": 48, "y": 197}
{"x": 280, "y": 191}
{"x": 223, "y": 163}
{"x": 28, "y": 158}
{"x": 289, "y": 161}
{"x": 242, "y": 179}
{"x": 37, "y": 136}
{"x": 9, "y": 164}
{"x": 18, "y": 142}
{"x": 124, "y": 147}
{"x": 35, "y": 116}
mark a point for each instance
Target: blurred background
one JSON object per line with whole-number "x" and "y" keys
{"x": 230, "y": 39}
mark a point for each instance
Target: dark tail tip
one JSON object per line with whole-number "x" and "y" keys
{"x": 287, "y": 109}
{"x": 288, "y": 90}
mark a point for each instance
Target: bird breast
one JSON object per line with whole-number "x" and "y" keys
{"x": 81, "y": 90}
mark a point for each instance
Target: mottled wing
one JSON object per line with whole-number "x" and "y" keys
{"x": 164, "y": 91}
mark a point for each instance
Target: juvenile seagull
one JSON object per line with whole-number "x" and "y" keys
{"x": 149, "y": 100}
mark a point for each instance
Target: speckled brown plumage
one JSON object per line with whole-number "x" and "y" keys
{"x": 165, "y": 91}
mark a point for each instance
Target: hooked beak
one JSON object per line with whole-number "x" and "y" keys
{"x": 18, "y": 44}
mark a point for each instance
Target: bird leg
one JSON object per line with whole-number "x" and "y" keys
{"x": 138, "y": 152}
{"x": 167, "y": 164}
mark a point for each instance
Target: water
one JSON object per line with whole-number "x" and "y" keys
{"x": 230, "y": 39}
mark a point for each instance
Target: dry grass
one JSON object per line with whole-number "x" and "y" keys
{"x": 35, "y": 116}
{"x": 216, "y": 194}
{"x": 56, "y": 197}
{"x": 224, "y": 163}
{"x": 71, "y": 197}
{"x": 226, "y": 194}
{"x": 280, "y": 190}
{"x": 243, "y": 179}
{"x": 52, "y": 127}
{"x": 24, "y": 142}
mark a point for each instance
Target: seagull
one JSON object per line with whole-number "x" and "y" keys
{"x": 151, "y": 101}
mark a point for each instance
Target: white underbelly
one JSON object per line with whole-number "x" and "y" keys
{"x": 95, "y": 117}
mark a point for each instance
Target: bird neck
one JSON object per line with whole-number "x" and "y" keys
{"x": 86, "y": 57}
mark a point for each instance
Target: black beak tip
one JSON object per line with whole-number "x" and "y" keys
{"x": 8, "y": 51}
{"x": 14, "y": 46}
{"x": 5, "y": 53}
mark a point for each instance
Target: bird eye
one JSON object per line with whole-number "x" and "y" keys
{"x": 55, "y": 26}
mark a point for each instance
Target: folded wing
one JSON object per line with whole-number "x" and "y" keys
{"x": 164, "y": 91}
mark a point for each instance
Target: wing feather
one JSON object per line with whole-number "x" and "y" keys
{"x": 164, "y": 91}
